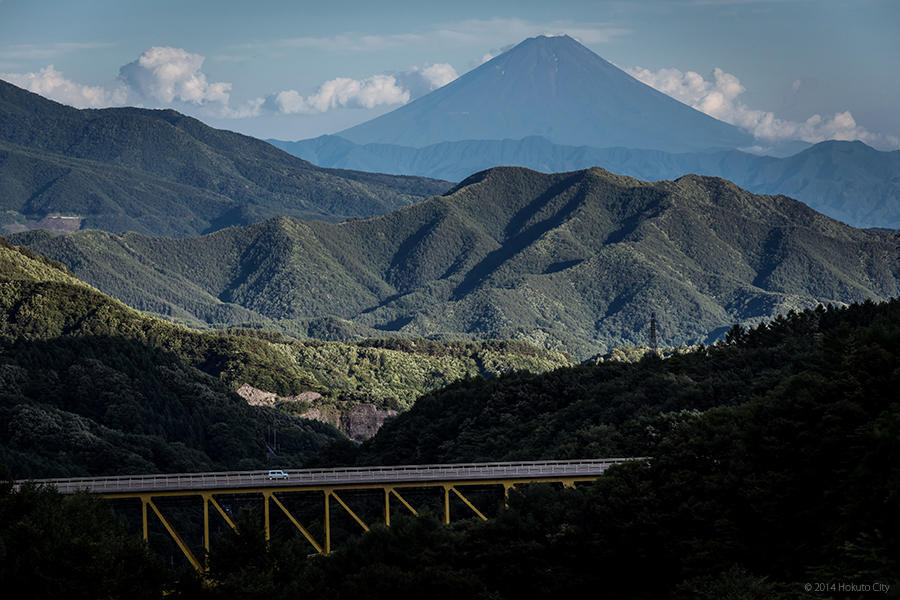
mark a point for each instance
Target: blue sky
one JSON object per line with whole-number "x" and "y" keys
{"x": 779, "y": 68}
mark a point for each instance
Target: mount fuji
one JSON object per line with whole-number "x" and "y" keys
{"x": 555, "y": 88}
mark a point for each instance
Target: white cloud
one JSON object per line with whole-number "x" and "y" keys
{"x": 377, "y": 90}
{"x": 718, "y": 98}
{"x": 342, "y": 92}
{"x": 166, "y": 74}
{"x": 418, "y": 81}
{"x": 250, "y": 108}
{"x": 491, "y": 54}
{"x": 438, "y": 75}
{"x": 161, "y": 76}
{"x": 50, "y": 83}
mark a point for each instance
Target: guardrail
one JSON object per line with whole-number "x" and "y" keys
{"x": 338, "y": 476}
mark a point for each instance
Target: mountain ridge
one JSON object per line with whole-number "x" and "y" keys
{"x": 848, "y": 181}
{"x": 570, "y": 261}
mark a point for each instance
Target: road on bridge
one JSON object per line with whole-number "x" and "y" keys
{"x": 299, "y": 478}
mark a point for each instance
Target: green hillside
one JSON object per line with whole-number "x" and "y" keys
{"x": 92, "y": 386}
{"x": 160, "y": 172}
{"x": 89, "y": 386}
{"x": 570, "y": 261}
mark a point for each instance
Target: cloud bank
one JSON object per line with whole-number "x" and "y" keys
{"x": 50, "y": 83}
{"x": 718, "y": 97}
{"x": 160, "y": 76}
{"x": 377, "y": 90}
{"x": 164, "y": 76}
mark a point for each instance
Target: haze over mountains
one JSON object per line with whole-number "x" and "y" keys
{"x": 569, "y": 261}
{"x": 160, "y": 172}
{"x": 848, "y": 181}
{"x": 552, "y": 105}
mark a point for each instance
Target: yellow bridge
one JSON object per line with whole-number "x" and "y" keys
{"x": 450, "y": 478}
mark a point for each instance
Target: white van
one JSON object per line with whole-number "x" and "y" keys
{"x": 277, "y": 474}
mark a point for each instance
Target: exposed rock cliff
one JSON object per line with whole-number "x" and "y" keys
{"x": 358, "y": 421}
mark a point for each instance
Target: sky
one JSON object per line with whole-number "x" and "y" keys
{"x": 781, "y": 69}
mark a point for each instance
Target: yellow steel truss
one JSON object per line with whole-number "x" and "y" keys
{"x": 269, "y": 495}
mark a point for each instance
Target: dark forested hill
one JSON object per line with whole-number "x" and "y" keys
{"x": 613, "y": 408}
{"x": 90, "y": 386}
{"x": 163, "y": 173}
{"x": 772, "y": 464}
{"x": 573, "y": 261}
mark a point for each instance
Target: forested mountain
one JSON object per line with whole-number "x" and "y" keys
{"x": 556, "y": 88}
{"x": 571, "y": 261}
{"x": 848, "y": 181}
{"x": 90, "y": 386}
{"x": 163, "y": 173}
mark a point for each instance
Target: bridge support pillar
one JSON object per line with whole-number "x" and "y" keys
{"x": 296, "y": 523}
{"x": 327, "y": 520}
{"x": 205, "y": 525}
{"x": 403, "y": 502}
{"x": 266, "y": 514}
{"x": 446, "y": 504}
{"x": 387, "y": 506}
{"x": 506, "y": 488}
{"x": 469, "y": 504}
{"x": 349, "y": 511}
{"x": 208, "y": 497}
{"x": 144, "y": 519}
{"x": 148, "y": 501}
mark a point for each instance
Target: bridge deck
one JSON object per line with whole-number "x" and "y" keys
{"x": 317, "y": 478}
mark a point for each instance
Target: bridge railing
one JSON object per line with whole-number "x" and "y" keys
{"x": 347, "y": 475}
